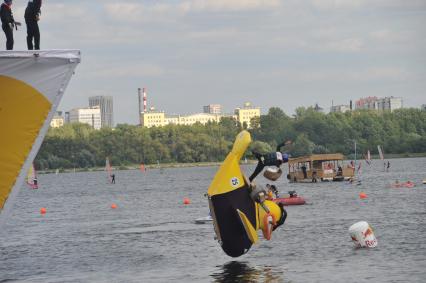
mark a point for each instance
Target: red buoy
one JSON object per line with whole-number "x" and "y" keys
{"x": 362, "y": 195}
{"x": 186, "y": 201}
{"x": 43, "y": 210}
{"x": 113, "y": 206}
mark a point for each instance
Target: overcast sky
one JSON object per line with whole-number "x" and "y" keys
{"x": 192, "y": 53}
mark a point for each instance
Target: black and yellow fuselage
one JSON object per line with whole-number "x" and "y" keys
{"x": 236, "y": 216}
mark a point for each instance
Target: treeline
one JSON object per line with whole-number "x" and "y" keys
{"x": 79, "y": 146}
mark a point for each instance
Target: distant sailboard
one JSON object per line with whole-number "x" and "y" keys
{"x": 368, "y": 158}
{"x": 32, "y": 85}
{"x": 32, "y": 178}
{"x": 379, "y": 149}
{"x": 108, "y": 170}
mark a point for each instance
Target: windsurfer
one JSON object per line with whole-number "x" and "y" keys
{"x": 35, "y": 181}
{"x": 269, "y": 159}
{"x": 112, "y": 178}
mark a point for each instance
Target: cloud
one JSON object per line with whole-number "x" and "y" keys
{"x": 338, "y": 4}
{"x": 344, "y": 45}
{"x": 360, "y": 75}
{"x": 167, "y": 12}
{"x": 136, "y": 71}
{"x": 228, "y": 5}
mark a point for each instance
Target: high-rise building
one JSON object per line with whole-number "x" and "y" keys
{"x": 340, "y": 108}
{"x": 152, "y": 118}
{"x": 57, "y": 120}
{"x": 373, "y": 103}
{"x": 389, "y": 103}
{"x": 90, "y": 115}
{"x": 202, "y": 118}
{"x": 245, "y": 114}
{"x": 212, "y": 109}
{"x": 105, "y": 104}
{"x": 155, "y": 118}
{"x": 367, "y": 103}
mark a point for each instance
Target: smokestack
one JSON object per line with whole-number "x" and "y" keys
{"x": 144, "y": 99}
{"x": 140, "y": 100}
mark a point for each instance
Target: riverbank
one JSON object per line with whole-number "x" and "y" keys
{"x": 207, "y": 164}
{"x": 137, "y": 167}
{"x": 391, "y": 155}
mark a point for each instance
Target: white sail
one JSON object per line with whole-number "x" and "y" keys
{"x": 32, "y": 84}
{"x": 32, "y": 178}
{"x": 380, "y": 152}
{"x": 108, "y": 169}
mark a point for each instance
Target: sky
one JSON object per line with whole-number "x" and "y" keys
{"x": 271, "y": 53}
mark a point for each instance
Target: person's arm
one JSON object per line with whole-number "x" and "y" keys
{"x": 280, "y": 145}
{"x": 37, "y": 7}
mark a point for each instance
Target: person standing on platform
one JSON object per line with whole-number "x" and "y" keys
{"x": 32, "y": 16}
{"x": 8, "y": 22}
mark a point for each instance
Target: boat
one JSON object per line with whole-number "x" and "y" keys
{"x": 319, "y": 167}
{"x": 290, "y": 201}
{"x": 32, "y": 86}
{"x": 32, "y": 178}
{"x": 407, "y": 184}
{"x": 204, "y": 220}
{"x": 424, "y": 181}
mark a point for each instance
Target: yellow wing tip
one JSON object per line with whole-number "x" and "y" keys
{"x": 248, "y": 227}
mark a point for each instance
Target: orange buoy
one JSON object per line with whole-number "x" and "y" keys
{"x": 186, "y": 201}
{"x": 113, "y": 206}
{"x": 43, "y": 210}
{"x": 362, "y": 195}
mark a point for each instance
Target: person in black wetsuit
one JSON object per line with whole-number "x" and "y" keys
{"x": 32, "y": 16}
{"x": 112, "y": 178}
{"x": 8, "y": 22}
{"x": 269, "y": 159}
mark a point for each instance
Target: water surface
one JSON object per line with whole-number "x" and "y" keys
{"x": 151, "y": 236}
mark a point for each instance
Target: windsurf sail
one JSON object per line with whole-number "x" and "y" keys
{"x": 32, "y": 85}
{"x": 368, "y": 158}
{"x": 32, "y": 178}
{"x": 382, "y": 157}
{"x": 108, "y": 169}
{"x": 142, "y": 168}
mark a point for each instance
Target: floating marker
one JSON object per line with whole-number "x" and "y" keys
{"x": 362, "y": 235}
{"x": 43, "y": 210}
{"x": 186, "y": 201}
{"x": 362, "y": 195}
{"x": 113, "y": 206}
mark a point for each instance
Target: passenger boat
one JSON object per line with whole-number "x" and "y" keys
{"x": 319, "y": 167}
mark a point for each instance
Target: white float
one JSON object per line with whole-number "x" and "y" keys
{"x": 362, "y": 235}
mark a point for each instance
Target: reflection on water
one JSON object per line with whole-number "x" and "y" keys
{"x": 236, "y": 271}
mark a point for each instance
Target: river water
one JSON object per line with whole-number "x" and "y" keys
{"x": 151, "y": 235}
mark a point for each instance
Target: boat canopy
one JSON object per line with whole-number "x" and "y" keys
{"x": 316, "y": 157}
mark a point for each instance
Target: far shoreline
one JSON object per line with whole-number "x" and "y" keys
{"x": 200, "y": 164}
